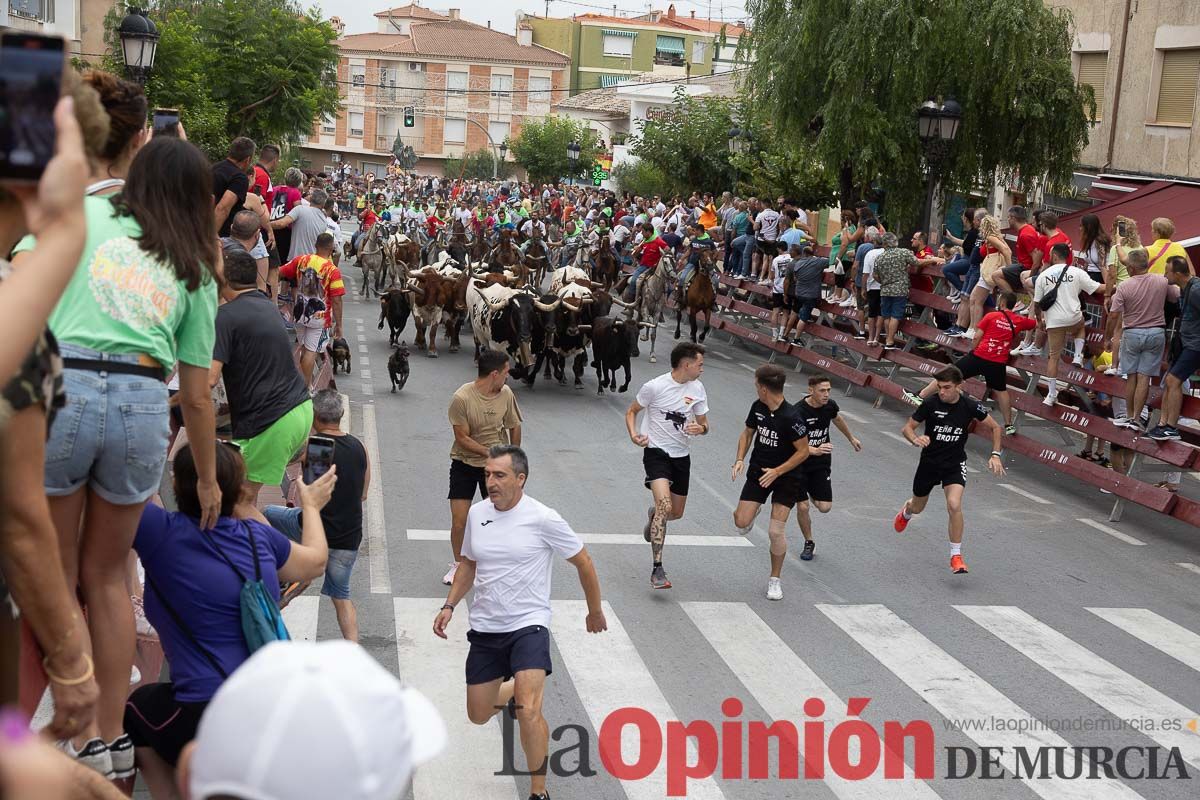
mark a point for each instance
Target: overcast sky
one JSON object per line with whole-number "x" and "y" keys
{"x": 359, "y": 15}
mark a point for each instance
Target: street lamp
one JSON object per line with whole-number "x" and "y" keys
{"x": 139, "y": 42}
{"x": 573, "y": 153}
{"x": 937, "y": 126}
{"x": 504, "y": 150}
{"x": 737, "y": 141}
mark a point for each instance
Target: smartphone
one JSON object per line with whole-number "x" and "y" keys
{"x": 32, "y": 67}
{"x": 1121, "y": 228}
{"x": 318, "y": 458}
{"x": 166, "y": 122}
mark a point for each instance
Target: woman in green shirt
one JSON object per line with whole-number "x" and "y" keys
{"x": 142, "y": 299}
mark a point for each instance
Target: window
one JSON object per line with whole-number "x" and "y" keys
{"x": 498, "y": 131}
{"x": 41, "y": 10}
{"x": 539, "y": 90}
{"x": 456, "y": 83}
{"x": 356, "y": 123}
{"x": 1093, "y": 69}
{"x": 619, "y": 43}
{"x": 358, "y": 76}
{"x": 328, "y": 124}
{"x": 669, "y": 50}
{"x": 612, "y": 80}
{"x": 455, "y": 130}
{"x": 502, "y": 86}
{"x": 699, "y": 51}
{"x": 1177, "y": 87}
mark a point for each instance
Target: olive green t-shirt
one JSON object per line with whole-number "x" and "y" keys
{"x": 487, "y": 419}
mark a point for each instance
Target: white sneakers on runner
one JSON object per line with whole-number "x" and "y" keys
{"x": 774, "y": 589}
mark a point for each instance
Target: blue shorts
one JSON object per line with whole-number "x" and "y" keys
{"x": 804, "y": 306}
{"x": 892, "y": 307}
{"x": 501, "y": 655}
{"x": 1186, "y": 365}
{"x": 338, "y": 566}
{"x": 112, "y": 434}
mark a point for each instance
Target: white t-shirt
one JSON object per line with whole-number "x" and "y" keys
{"x": 768, "y": 224}
{"x": 801, "y": 216}
{"x": 779, "y": 271}
{"x": 657, "y": 223}
{"x": 1067, "y": 310}
{"x": 669, "y": 406}
{"x": 514, "y": 554}
{"x": 868, "y": 268}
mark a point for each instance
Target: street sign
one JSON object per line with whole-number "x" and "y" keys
{"x": 599, "y": 175}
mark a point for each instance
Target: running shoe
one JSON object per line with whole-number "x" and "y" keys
{"x": 121, "y": 752}
{"x": 1077, "y": 360}
{"x": 774, "y": 589}
{"x": 955, "y": 330}
{"x": 912, "y": 399}
{"x": 807, "y": 553}
{"x": 94, "y": 756}
{"x": 1050, "y": 399}
{"x": 448, "y": 578}
{"x": 900, "y": 523}
{"x": 957, "y": 565}
{"x": 542, "y": 796}
{"x": 649, "y": 520}
{"x": 1164, "y": 433}
{"x": 1124, "y": 422}
{"x": 860, "y": 336}
{"x": 1010, "y": 430}
{"x": 658, "y": 578}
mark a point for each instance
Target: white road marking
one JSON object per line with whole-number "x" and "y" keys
{"x": 362, "y": 348}
{"x": 608, "y": 673}
{"x": 1190, "y": 567}
{"x": 1123, "y": 695}
{"x": 719, "y": 354}
{"x": 959, "y": 694}
{"x": 853, "y": 417}
{"x": 368, "y": 389}
{"x": 365, "y": 362}
{"x": 746, "y": 367}
{"x": 381, "y": 577}
{"x": 1159, "y": 632}
{"x": 1027, "y": 495}
{"x": 1113, "y": 532}
{"x": 465, "y": 767}
{"x": 362, "y": 337}
{"x": 300, "y": 616}
{"x": 365, "y": 374}
{"x": 345, "y": 423}
{"x": 757, "y": 656}
{"x": 897, "y": 437}
{"x": 428, "y": 535}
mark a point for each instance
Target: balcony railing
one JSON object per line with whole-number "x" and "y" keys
{"x": 383, "y": 144}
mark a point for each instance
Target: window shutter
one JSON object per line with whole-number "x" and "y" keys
{"x": 1177, "y": 87}
{"x": 1093, "y": 69}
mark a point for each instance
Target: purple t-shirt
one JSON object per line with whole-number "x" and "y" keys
{"x": 203, "y": 591}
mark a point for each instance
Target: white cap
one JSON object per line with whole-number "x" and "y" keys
{"x": 308, "y": 719}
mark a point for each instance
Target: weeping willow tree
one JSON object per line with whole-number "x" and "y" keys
{"x": 845, "y": 77}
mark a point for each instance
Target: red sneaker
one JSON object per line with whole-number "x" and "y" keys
{"x": 900, "y": 523}
{"x": 957, "y": 565}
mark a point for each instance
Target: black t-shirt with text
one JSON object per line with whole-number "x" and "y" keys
{"x": 817, "y": 421}
{"x": 946, "y": 425}
{"x": 776, "y": 433}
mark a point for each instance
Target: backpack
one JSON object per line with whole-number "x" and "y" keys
{"x": 310, "y": 292}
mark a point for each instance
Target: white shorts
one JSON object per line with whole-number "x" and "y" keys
{"x": 311, "y": 339}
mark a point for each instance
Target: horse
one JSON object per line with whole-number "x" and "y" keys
{"x": 606, "y": 266}
{"x": 371, "y": 258}
{"x": 505, "y": 255}
{"x": 404, "y": 255}
{"x": 479, "y": 248}
{"x": 699, "y": 297}
{"x": 537, "y": 259}
{"x": 651, "y": 299}
{"x": 457, "y": 246}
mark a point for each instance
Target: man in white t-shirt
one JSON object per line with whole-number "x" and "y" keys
{"x": 1064, "y": 317}
{"x": 676, "y": 409}
{"x": 507, "y": 557}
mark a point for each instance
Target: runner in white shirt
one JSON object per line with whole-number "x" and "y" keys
{"x": 676, "y": 409}
{"x": 508, "y": 554}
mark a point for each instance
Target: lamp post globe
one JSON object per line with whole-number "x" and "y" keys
{"x": 139, "y": 44}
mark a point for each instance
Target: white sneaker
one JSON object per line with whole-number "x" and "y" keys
{"x": 143, "y": 626}
{"x": 969, "y": 333}
{"x": 1077, "y": 360}
{"x": 774, "y": 589}
{"x": 448, "y": 578}
{"x": 135, "y": 675}
{"x": 1111, "y": 371}
{"x": 1050, "y": 399}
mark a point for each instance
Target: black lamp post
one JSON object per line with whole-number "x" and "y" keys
{"x": 139, "y": 43}
{"x": 573, "y": 153}
{"x": 937, "y": 125}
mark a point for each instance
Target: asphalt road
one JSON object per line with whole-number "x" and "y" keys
{"x": 1066, "y": 624}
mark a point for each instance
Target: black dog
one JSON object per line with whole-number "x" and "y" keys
{"x": 341, "y": 356}
{"x": 398, "y": 367}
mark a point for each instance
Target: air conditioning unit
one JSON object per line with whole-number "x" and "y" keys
{"x": 335, "y": 158}
{"x": 416, "y": 66}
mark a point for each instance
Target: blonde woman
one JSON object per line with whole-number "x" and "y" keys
{"x": 1125, "y": 238}
{"x": 1164, "y": 247}
{"x": 991, "y": 242}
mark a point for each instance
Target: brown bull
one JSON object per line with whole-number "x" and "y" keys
{"x": 432, "y": 295}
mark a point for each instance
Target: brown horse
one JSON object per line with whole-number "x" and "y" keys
{"x": 537, "y": 259}
{"x": 479, "y": 248}
{"x": 606, "y": 268}
{"x": 699, "y": 297}
{"x": 505, "y": 255}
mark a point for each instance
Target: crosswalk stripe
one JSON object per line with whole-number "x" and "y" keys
{"x": 758, "y": 657}
{"x": 1159, "y": 632}
{"x": 1189, "y": 566}
{"x": 435, "y": 668}
{"x": 1123, "y": 695}
{"x": 608, "y": 673}
{"x": 300, "y": 617}
{"x": 959, "y": 694}
{"x": 426, "y": 535}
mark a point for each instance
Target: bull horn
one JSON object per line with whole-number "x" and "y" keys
{"x": 647, "y": 324}
{"x": 587, "y": 328}
{"x": 621, "y": 302}
{"x": 540, "y": 306}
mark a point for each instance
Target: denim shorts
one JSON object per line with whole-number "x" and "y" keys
{"x": 339, "y": 565}
{"x": 1142, "y": 351}
{"x": 112, "y": 434}
{"x": 893, "y": 307}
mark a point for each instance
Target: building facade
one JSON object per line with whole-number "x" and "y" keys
{"x": 471, "y": 87}
{"x": 80, "y": 22}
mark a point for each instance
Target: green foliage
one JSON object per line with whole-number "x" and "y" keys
{"x": 640, "y": 178}
{"x": 475, "y": 165}
{"x": 541, "y": 148}
{"x": 846, "y": 77}
{"x": 257, "y": 68}
{"x": 690, "y": 145}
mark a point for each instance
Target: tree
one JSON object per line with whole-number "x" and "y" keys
{"x": 541, "y": 148}
{"x": 475, "y": 165}
{"x": 822, "y": 79}
{"x": 258, "y": 68}
{"x": 640, "y": 179}
{"x": 690, "y": 143}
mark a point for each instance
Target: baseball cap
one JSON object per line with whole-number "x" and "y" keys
{"x": 313, "y": 719}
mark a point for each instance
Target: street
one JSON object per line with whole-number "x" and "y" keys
{"x": 1066, "y": 619}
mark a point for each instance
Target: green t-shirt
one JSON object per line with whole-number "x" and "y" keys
{"x": 123, "y": 300}
{"x": 741, "y": 223}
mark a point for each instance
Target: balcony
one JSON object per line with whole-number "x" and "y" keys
{"x": 383, "y": 143}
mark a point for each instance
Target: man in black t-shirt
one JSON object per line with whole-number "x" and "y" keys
{"x": 947, "y": 417}
{"x": 230, "y": 182}
{"x": 780, "y": 439}
{"x": 818, "y": 411}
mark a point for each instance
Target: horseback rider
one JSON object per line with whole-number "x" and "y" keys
{"x": 699, "y": 243}
{"x": 648, "y": 252}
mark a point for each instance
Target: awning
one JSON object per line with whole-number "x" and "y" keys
{"x": 669, "y": 44}
{"x": 609, "y": 32}
{"x": 1180, "y": 202}
{"x": 612, "y": 80}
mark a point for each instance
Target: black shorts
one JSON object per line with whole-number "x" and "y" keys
{"x": 874, "y": 304}
{"x": 994, "y": 373}
{"x": 818, "y": 484}
{"x": 659, "y": 465}
{"x": 804, "y": 306}
{"x": 1012, "y": 275}
{"x": 786, "y": 490}
{"x": 931, "y": 473}
{"x": 502, "y": 655}
{"x": 781, "y": 300}
{"x": 840, "y": 281}
{"x": 155, "y": 719}
{"x": 463, "y": 480}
